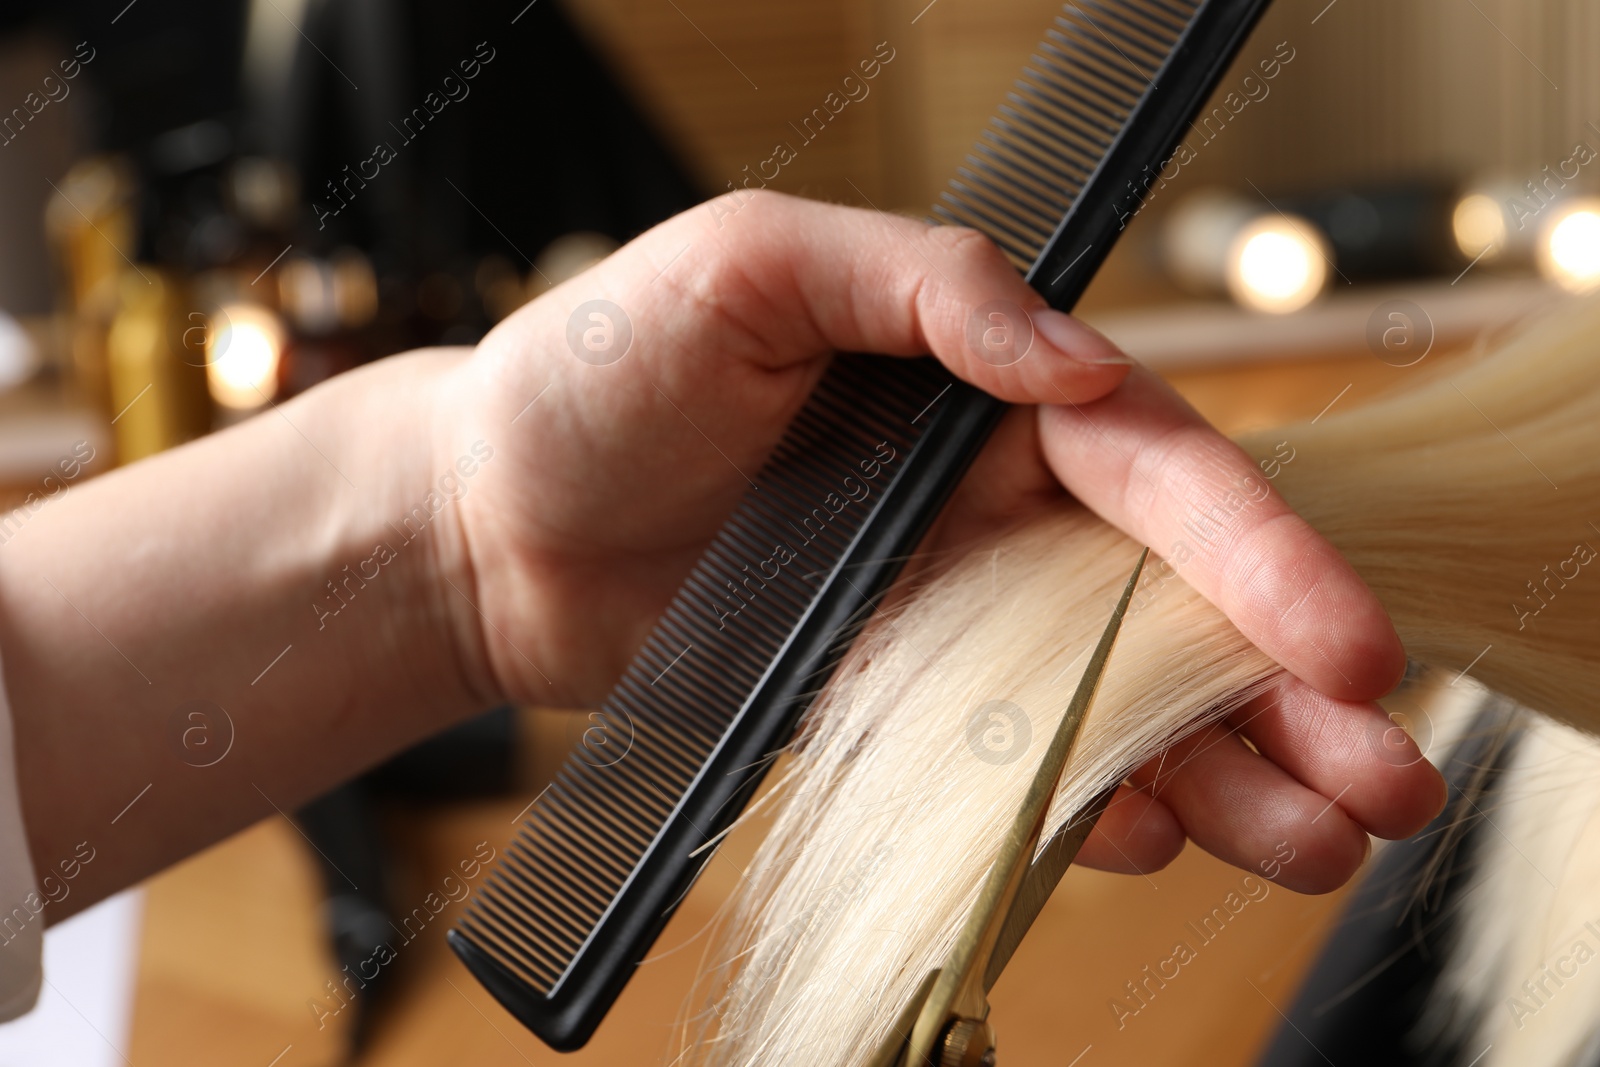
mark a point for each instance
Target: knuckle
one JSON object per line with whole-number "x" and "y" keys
{"x": 737, "y": 223}
{"x": 767, "y": 200}
{"x": 942, "y": 293}
{"x": 963, "y": 244}
{"x": 706, "y": 275}
{"x": 710, "y": 283}
{"x": 767, "y": 213}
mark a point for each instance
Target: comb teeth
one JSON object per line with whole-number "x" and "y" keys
{"x": 1075, "y": 96}
{"x": 607, "y": 852}
{"x": 572, "y": 856}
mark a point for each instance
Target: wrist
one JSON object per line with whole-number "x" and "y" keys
{"x": 400, "y": 543}
{"x": 381, "y": 555}
{"x": 263, "y": 574}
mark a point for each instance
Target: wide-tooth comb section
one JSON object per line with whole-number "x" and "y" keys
{"x": 607, "y": 852}
{"x": 1075, "y": 95}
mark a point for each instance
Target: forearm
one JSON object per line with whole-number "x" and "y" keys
{"x": 278, "y": 571}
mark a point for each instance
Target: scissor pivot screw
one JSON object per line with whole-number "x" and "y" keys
{"x": 967, "y": 1043}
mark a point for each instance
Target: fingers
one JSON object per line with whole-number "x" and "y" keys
{"x": 1325, "y": 774}
{"x": 1147, "y": 462}
{"x": 1246, "y": 810}
{"x": 1352, "y": 754}
{"x": 1137, "y": 834}
{"x": 862, "y": 280}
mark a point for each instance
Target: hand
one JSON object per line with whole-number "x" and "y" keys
{"x": 610, "y": 478}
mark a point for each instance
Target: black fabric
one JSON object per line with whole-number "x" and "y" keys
{"x": 158, "y": 64}
{"x": 1363, "y": 1002}
{"x": 546, "y": 141}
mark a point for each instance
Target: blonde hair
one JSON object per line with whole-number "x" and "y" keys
{"x": 1460, "y": 502}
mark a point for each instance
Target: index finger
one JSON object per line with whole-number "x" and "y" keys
{"x": 1150, "y": 464}
{"x": 809, "y": 279}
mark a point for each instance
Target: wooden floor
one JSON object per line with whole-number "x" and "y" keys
{"x": 231, "y": 958}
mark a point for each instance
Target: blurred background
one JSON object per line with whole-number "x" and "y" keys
{"x": 208, "y": 206}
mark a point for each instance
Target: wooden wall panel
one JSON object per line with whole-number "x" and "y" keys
{"x": 1377, "y": 88}
{"x": 726, "y": 78}
{"x": 1386, "y": 87}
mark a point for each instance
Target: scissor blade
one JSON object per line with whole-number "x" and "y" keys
{"x": 1041, "y": 881}
{"x": 893, "y": 1050}
{"x": 1048, "y": 868}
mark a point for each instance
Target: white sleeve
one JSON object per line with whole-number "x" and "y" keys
{"x": 21, "y": 924}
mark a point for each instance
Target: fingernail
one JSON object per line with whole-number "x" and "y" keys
{"x": 1079, "y": 343}
{"x": 1368, "y": 854}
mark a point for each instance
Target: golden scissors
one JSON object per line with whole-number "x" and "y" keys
{"x": 946, "y": 1022}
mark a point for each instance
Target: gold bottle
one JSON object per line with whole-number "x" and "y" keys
{"x": 156, "y": 381}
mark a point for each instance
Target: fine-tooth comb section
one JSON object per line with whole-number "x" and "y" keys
{"x": 577, "y": 849}
{"x": 1059, "y": 120}
{"x": 605, "y": 854}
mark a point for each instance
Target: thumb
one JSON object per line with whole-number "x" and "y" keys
{"x": 862, "y": 280}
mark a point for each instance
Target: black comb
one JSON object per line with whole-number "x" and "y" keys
{"x": 606, "y": 854}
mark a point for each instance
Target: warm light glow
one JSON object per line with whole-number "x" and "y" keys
{"x": 1197, "y": 234}
{"x": 1479, "y": 223}
{"x": 1278, "y": 263}
{"x": 1569, "y": 249}
{"x": 242, "y": 356}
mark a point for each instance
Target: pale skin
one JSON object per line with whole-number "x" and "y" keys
{"x": 188, "y": 575}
